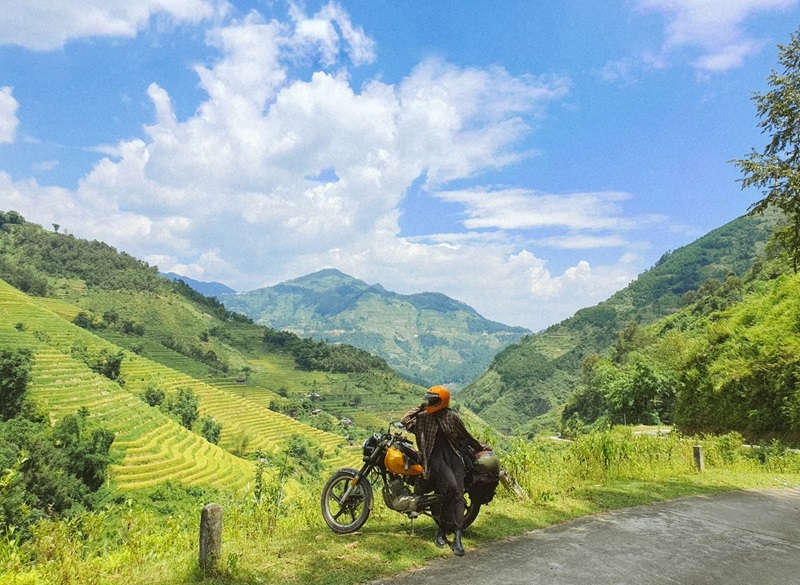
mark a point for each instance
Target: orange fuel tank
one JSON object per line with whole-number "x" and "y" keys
{"x": 398, "y": 463}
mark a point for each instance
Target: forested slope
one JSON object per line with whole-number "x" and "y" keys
{"x": 728, "y": 361}
{"x": 527, "y": 383}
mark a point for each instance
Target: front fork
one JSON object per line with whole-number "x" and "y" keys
{"x": 362, "y": 475}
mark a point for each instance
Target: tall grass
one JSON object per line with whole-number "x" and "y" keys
{"x": 544, "y": 468}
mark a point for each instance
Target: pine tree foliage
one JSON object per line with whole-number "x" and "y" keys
{"x": 776, "y": 169}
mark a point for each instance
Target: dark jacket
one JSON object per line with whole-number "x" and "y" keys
{"x": 425, "y": 426}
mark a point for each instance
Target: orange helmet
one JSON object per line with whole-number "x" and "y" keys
{"x": 436, "y": 399}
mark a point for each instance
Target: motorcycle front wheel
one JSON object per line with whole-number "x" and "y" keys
{"x": 345, "y": 516}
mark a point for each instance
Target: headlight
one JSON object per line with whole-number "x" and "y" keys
{"x": 370, "y": 445}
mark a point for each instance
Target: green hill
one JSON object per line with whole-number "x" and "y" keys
{"x": 76, "y": 304}
{"x": 427, "y": 337}
{"x": 727, "y": 361}
{"x": 527, "y": 383}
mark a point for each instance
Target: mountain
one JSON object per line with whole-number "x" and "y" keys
{"x": 527, "y": 383}
{"x": 427, "y": 337}
{"x": 209, "y": 289}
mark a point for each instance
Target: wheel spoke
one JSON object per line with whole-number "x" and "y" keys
{"x": 341, "y": 487}
{"x": 345, "y": 505}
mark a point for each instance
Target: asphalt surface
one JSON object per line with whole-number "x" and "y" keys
{"x": 738, "y": 538}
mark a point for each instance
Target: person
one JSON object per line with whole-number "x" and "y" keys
{"x": 440, "y": 435}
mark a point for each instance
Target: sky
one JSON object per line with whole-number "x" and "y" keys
{"x": 526, "y": 158}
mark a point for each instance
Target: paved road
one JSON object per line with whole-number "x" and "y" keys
{"x": 739, "y": 538}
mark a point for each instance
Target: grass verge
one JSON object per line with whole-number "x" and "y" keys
{"x": 153, "y": 537}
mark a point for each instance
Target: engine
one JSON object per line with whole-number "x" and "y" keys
{"x": 398, "y": 496}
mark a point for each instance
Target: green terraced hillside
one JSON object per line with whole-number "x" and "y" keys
{"x": 151, "y": 447}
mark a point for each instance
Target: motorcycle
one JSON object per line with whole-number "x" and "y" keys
{"x": 389, "y": 458}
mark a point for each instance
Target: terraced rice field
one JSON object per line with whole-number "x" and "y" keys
{"x": 239, "y": 417}
{"x": 152, "y": 448}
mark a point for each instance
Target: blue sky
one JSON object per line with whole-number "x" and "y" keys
{"x": 526, "y": 158}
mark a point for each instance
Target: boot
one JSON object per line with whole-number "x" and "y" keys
{"x": 458, "y": 548}
{"x": 440, "y": 539}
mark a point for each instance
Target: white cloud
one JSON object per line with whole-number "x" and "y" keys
{"x": 582, "y": 241}
{"x": 320, "y": 31}
{"x": 518, "y": 209}
{"x": 234, "y": 192}
{"x": 463, "y": 121}
{"x": 715, "y": 29}
{"x": 244, "y": 158}
{"x": 209, "y": 266}
{"x": 8, "y": 116}
{"x": 45, "y": 165}
{"x": 44, "y": 25}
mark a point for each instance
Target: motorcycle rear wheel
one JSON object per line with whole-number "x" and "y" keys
{"x": 346, "y": 517}
{"x": 470, "y": 511}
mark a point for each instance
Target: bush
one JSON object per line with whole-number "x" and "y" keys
{"x": 210, "y": 429}
{"x": 86, "y": 447}
{"x": 303, "y": 455}
{"x": 48, "y": 472}
{"x": 15, "y": 370}
{"x": 183, "y": 405}
{"x": 152, "y": 395}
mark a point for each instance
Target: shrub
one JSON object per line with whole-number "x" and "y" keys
{"x": 15, "y": 369}
{"x": 210, "y": 429}
{"x": 152, "y": 395}
{"x": 183, "y": 405}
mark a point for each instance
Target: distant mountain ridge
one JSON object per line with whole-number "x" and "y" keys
{"x": 428, "y": 337}
{"x": 209, "y": 289}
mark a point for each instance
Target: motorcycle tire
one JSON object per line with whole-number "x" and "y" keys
{"x": 346, "y": 517}
{"x": 470, "y": 511}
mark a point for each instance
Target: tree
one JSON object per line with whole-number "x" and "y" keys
{"x": 303, "y": 455}
{"x": 107, "y": 363}
{"x": 152, "y": 395}
{"x": 246, "y": 371}
{"x": 15, "y": 369}
{"x": 87, "y": 448}
{"x": 776, "y": 170}
{"x": 185, "y": 405}
{"x": 210, "y": 429}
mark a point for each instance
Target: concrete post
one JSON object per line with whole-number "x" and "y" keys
{"x": 210, "y": 537}
{"x": 698, "y": 458}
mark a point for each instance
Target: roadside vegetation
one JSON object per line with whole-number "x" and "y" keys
{"x": 275, "y": 534}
